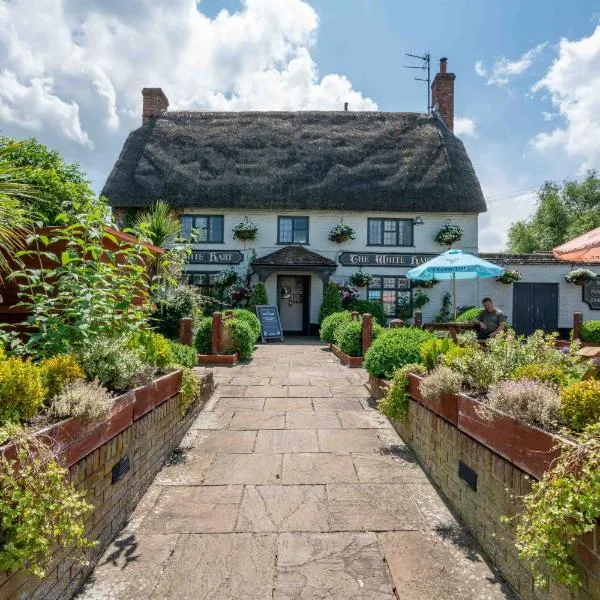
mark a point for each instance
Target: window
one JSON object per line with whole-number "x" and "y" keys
{"x": 387, "y": 290}
{"x": 292, "y": 230}
{"x": 203, "y": 229}
{"x": 205, "y": 281}
{"x": 390, "y": 232}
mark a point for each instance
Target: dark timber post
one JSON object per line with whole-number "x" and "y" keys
{"x": 418, "y": 319}
{"x": 577, "y": 322}
{"x": 186, "y": 334}
{"x": 217, "y": 333}
{"x": 367, "y": 332}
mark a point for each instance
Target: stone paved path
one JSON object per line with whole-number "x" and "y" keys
{"x": 291, "y": 486}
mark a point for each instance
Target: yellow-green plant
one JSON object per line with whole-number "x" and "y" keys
{"x": 39, "y": 509}
{"x": 580, "y": 404}
{"x": 153, "y": 348}
{"x": 433, "y": 349}
{"x": 541, "y": 372}
{"x": 190, "y": 387}
{"x": 395, "y": 403}
{"x": 21, "y": 390}
{"x": 58, "y": 372}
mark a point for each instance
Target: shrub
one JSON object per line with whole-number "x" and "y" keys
{"x": 258, "y": 296}
{"x": 21, "y": 390}
{"x": 580, "y": 404}
{"x": 174, "y": 304}
{"x": 349, "y": 338}
{"x": 469, "y": 315}
{"x": 530, "y": 402}
{"x": 59, "y": 371}
{"x": 395, "y": 404}
{"x": 331, "y": 322}
{"x": 203, "y": 336}
{"x": 183, "y": 355}
{"x": 393, "y": 349}
{"x": 442, "y": 380}
{"x": 85, "y": 399}
{"x": 433, "y": 349}
{"x": 238, "y": 338}
{"x": 250, "y": 319}
{"x": 332, "y": 301}
{"x": 152, "y": 348}
{"x": 371, "y": 307}
{"x": 2, "y": 353}
{"x": 538, "y": 372}
{"x": 590, "y": 331}
{"x": 190, "y": 386}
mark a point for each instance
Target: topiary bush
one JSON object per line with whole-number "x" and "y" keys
{"x": 21, "y": 390}
{"x": 349, "y": 337}
{"x": 468, "y": 315}
{"x": 250, "y": 319}
{"x": 371, "y": 307}
{"x": 258, "y": 296}
{"x": 332, "y": 301}
{"x": 330, "y": 324}
{"x": 239, "y": 338}
{"x": 184, "y": 356}
{"x": 393, "y": 349}
{"x": 58, "y": 372}
{"x": 203, "y": 336}
{"x": 590, "y": 331}
{"x": 580, "y": 404}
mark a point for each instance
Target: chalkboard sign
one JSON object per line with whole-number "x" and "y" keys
{"x": 270, "y": 324}
{"x": 591, "y": 294}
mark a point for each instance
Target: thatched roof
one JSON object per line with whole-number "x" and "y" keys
{"x": 364, "y": 161}
{"x": 294, "y": 255}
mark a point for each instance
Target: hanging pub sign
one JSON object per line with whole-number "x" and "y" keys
{"x": 591, "y": 294}
{"x": 215, "y": 257}
{"x": 377, "y": 259}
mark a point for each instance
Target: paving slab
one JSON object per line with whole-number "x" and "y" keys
{"x": 230, "y": 442}
{"x": 356, "y": 440}
{"x": 315, "y": 467}
{"x": 213, "y": 420}
{"x": 258, "y": 420}
{"x": 244, "y": 469}
{"x": 311, "y": 420}
{"x": 286, "y": 440}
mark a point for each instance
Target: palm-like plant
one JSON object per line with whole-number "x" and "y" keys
{"x": 159, "y": 224}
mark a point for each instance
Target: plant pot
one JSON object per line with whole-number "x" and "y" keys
{"x": 245, "y": 235}
{"x": 352, "y": 361}
{"x": 340, "y": 239}
{"x": 218, "y": 359}
{"x": 446, "y": 407}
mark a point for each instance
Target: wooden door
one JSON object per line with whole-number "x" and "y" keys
{"x": 535, "y": 306}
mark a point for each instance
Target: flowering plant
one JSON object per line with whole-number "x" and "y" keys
{"x": 341, "y": 233}
{"x": 580, "y": 276}
{"x": 449, "y": 234}
{"x": 240, "y": 294}
{"x": 360, "y": 279}
{"x": 226, "y": 278}
{"x": 510, "y": 276}
{"x": 246, "y": 230}
{"x": 348, "y": 292}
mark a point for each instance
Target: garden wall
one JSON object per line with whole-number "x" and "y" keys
{"x": 442, "y": 450}
{"x": 145, "y": 443}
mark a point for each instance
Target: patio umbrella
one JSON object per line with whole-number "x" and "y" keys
{"x": 585, "y": 248}
{"x": 454, "y": 264}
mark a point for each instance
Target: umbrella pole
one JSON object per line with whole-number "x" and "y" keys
{"x": 454, "y": 293}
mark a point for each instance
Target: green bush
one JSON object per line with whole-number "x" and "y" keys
{"x": 393, "y": 349}
{"x": 152, "y": 348}
{"x": 174, "y": 304}
{"x": 590, "y": 331}
{"x": 395, "y": 403}
{"x": 331, "y": 322}
{"x": 238, "y": 338}
{"x": 580, "y": 404}
{"x": 432, "y": 350}
{"x": 58, "y": 372}
{"x": 332, "y": 301}
{"x": 250, "y": 319}
{"x": 21, "y": 390}
{"x": 203, "y": 336}
{"x": 184, "y": 356}
{"x": 258, "y": 296}
{"x": 349, "y": 336}
{"x": 468, "y": 315}
{"x": 371, "y": 307}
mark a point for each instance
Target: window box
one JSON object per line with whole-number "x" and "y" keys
{"x": 292, "y": 230}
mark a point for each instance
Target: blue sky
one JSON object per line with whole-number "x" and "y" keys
{"x": 72, "y": 74}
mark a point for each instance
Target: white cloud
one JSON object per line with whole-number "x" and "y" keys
{"x": 504, "y": 69}
{"x": 573, "y": 84}
{"x": 465, "y": 127}
{"x": 73, "y": 70}
{"x": 548, "y": 116}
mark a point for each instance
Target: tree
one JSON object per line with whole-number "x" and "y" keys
{"x": 258, "y": 296}
{"x": 332, "y": 301}
{"x": 159, "y": 224}
{"x": 562, "y": 213}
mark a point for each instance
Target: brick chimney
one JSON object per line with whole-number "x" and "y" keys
{"x": 155, "y": 103}
{"x": 442, "y": 94}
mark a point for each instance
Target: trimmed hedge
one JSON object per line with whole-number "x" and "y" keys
{"x": 203, "y": 336}
{"x": 250, "y": 319}
{"x": 371, "y": 307}
{"x": 183, "y": 355}
{"x": 330, "y": 324}
{"x": 350, "y": 337}
{"x": 239, "y": 338}
{"x": 590, "y": 331}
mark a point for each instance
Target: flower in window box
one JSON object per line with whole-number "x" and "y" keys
{"x": 449, "y": 234}
{"x": 226, "y": 278}
{"x": 580, "y": 276}
{"x": 360, "y": 279}
{"x": 246, "y": 230}
{"x": 341, "y": 233}
{"x": 510, "y": 276}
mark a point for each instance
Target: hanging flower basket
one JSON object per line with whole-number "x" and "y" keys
{"x": 425, "y": 284}
{"x": 360, "y": 279}
{"x": 341, "y": 233}
{"x": 449, "y": 234}
{"x": 246, "y": 230}
{"x": 226, "y": 278}
{"x": 510, "y": 276}
{"x": 580, "y": 276}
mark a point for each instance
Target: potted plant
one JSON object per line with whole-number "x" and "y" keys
{"x": 425, "y": 284}
{"x": 360, "y": 279}
{"x": 580, "y": 276}
{"x": 449, "y": 234}
{"x": 341, "y": 233}
{"x": 509, "y": 276}
{"x": 226, "y": 278}
{"x": 246, "y": 230}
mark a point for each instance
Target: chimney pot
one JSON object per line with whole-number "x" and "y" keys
{"x": 155, "y": 103}
{"x": 345, "y": 106}
{"x": 442, "y": 94}
{"x": 443, "y": 64}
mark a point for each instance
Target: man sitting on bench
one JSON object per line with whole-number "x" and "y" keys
{"x": 490, "y": 321}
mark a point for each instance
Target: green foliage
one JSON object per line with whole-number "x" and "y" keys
{"x": 580, "y": 404}
{"x": 393, "y": 349}
{"x": 40, "y": 509}
{"x": 330, "y": 324}
{"x": 250, "y": 319}
{"x": 238, "y": 338}
{"x": 183, "y": 355}
{"x": 84, "y": 399}
{"x": 174, "y": 303}
{"x": 190, "y": 387}
{"x": 369, "y": 306}
{"x": 21, "y": 390}
{"x": 349, "y": 338}
{"x": 449, "y": 234}
{"x": 159, "y": 225}
{"x": 433, "y": 349}
{"x": 445, "y": 315}
{"x": 580, "y": 276}
{"x": 561, "y": 214}
{"x": 553, "y": 374}
{"x": 203, "y": 336}
{"x": 590, "y": 331}
{"x": 395, "y": 404}
{"x": 406, "y": 306}
{"x": 442, "y": 380}
{"x": 258, "y": 296}
{"x": 59, "y": 371}
{"x": 152, "y": 348}
{"x": 332, "y": 301}
{"x": 561, "y": 508}
{"x": 469, "y": 315}
{"x": 2, "y": 353}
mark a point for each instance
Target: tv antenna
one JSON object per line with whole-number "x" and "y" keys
{"x": 424, "y": 66}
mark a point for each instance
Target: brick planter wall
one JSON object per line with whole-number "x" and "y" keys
{"x": 440, "y": 448}
{"x": 147, "y": 442}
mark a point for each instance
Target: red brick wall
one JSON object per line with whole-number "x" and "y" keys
{"x": 442, "y": 93}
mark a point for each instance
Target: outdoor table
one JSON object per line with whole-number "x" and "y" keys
{"x": 590, "y": 352}
{"x": 453, "y": 328}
